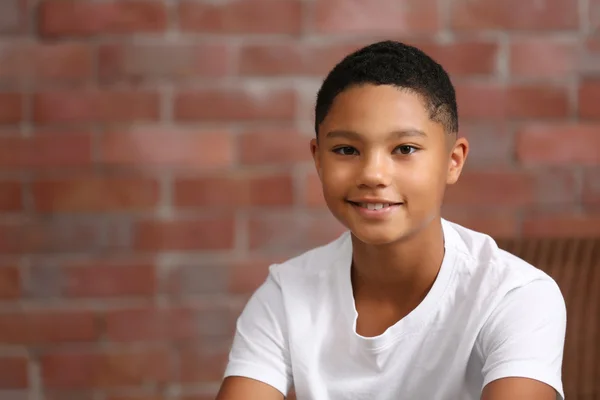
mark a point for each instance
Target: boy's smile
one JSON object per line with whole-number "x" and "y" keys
{"x": 383, "y": 162}
{"x": 375, "y": 208}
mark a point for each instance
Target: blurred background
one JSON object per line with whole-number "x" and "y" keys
{"x": 154, "y": 161}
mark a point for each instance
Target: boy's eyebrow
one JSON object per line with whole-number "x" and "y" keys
{"x": 357, "y": 136}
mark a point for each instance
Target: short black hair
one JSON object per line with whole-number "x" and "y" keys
{"x": 397, "y": 64}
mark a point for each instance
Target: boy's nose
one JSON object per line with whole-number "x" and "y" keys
{"x": 376, "y": 171}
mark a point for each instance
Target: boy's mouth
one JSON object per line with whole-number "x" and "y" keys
{"x": 373, "y": 206}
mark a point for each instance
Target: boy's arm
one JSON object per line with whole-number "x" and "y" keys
{"x": 522, "y": 344}
{"x": 518, "y": 389}
{"x": 240, "y": 388}
{"x": 259, "y": 362}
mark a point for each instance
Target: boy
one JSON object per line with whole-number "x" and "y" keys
{"x": 405, "y": 305}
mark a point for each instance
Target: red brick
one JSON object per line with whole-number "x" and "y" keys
{"x": 66, "y": 394}
{"x": 248, "y": 275}
{"x": 271, "y": 191}
{"x": 201, "y": 365}
{"x": 76, "y": 18}
{"x": 234, "y": 190}
{"x": 594, "y": 15}
{"x": 149, "y": 324}
{"x": 389, "y": 17}
{"x": 242, "y": 16}
{"x": 48, "y": 62}
{"x": 13, "y": 373}
{"x": 157, "y": 60}
{"x": 11, "y": 198}
{"x": 11, "y": 108}
{"x": 481, "y": 189}
{"x": 292, "y": 58}
{"x": 11, "y": 17}
{"x": 209, "y": 233}
{"x": 62, "y": 61}
{"x": 138, "y": 325}
{"x": 559, "y": 144}
{"x": 96, "y": 106}
{"x": 592, "y": 45}
{"x": 93, "y": 279}
{"x": 494, "y": 189}
{"x": 589, "y": 99}
{"x": 162, "y": 147}
{"x": 482, "y": 101}
{"x": 210, "y": 278}
{"x": 226, "y": 105}
{"x": 307, "y": 93}
{"x": 216, "y": 321}
{"x": 46, "y": 327}
{"x": 111, "y": 279}
{"x": 591, "y": 188}
{"x": 468, "y": 57}
{"x": 272, "y": 232}
{"x": 54, "y": 236}
{"x": 97, "y": 369}
{"x": 532, "y": 101}
{"x": 562, "y": 225}
{"x": 46, "y": 151}
{"x": 270, "y": 146}
{"x": 19, "y": 394}
{"x": 543, "y": 15}
{"x": 313, "y": 196}
{"x": 212, "y": 396}
{"x": 491, "y": 144}
{"x": 502, "y": 224}
{"x": 139, "y": 397}
{"x": 591, "y": 56}
{"x": 590, "y": 63}
{"x": 95, "y": 194}
{"x": 10, "y": 283}
{"x": 543, "y": 58}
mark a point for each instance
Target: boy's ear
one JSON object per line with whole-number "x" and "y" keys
{"x": 458, "y": 157}
{"x": 314, "y": 149}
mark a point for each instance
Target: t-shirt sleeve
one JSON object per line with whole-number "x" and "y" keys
{"x": 260, "y": 347}
{"x": 524, "y": 336}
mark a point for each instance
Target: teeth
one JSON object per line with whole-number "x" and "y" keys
{"x": 374, "y": 206}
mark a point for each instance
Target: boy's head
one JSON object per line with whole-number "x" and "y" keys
{"x": 386, "y": 122}
{"x": 395, "y": 64}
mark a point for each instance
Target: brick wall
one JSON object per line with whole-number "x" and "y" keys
{"x": 154, "y": 160}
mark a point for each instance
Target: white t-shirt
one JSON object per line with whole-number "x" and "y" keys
{"x": 488, "y": 315}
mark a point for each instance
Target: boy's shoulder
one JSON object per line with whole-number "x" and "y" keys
{"x": 480, "y": 255}
{"x": 476, "y": 254}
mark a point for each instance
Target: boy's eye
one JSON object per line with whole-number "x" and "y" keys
{"x": 346, "y": 151}
{"x": 406, "y": 149}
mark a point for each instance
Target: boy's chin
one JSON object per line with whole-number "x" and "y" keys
{"x": 380, "y": 236}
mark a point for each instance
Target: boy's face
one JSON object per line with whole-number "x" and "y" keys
{"x": 378, "y": 146}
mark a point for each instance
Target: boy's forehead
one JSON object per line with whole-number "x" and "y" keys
{"x": 379, "y": 111}
{"x": 378, "y": 102}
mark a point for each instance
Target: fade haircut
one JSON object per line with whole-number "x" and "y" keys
{"x": 397, "y": 64}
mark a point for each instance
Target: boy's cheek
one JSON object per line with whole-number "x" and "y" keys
{"x": 424, "y": 190}
{"x": 337, "y": 178}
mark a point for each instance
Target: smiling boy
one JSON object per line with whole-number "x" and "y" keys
{"x": 405, "y": 305}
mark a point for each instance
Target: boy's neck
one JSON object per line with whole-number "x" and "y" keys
{"x": 401, "y": 272}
